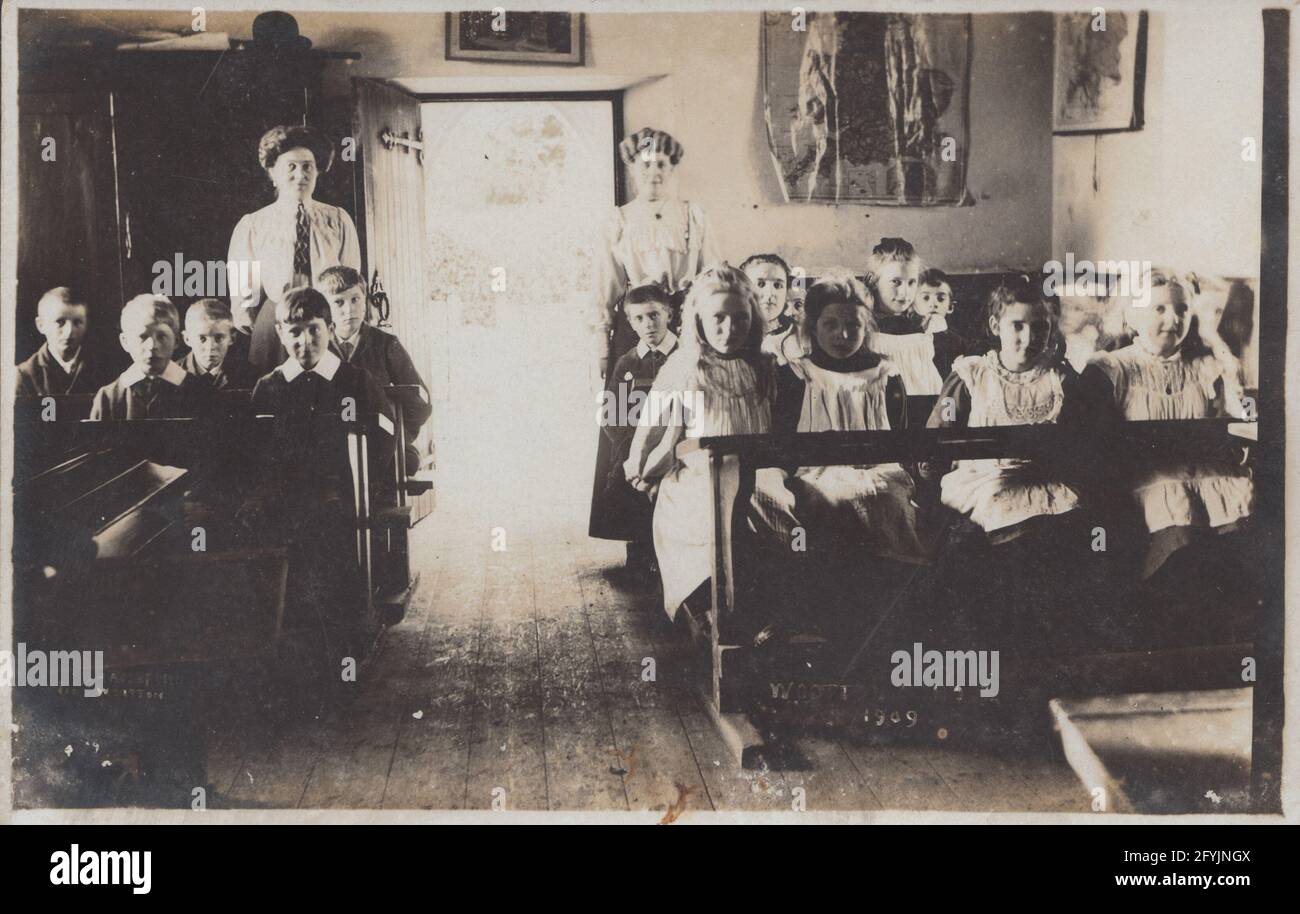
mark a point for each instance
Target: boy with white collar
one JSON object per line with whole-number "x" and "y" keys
{"x": 381, "y": 354}
{"x": 209, "y": 332}
{"x": 619, "y": 512}
{"x": 304, "y": 495}
{"x": 314, "y": 380}
{"x": 154, "y": 387}
{"x": 934, "y": 302}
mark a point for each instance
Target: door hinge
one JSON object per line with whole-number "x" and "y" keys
{"x": 391, "y": 139}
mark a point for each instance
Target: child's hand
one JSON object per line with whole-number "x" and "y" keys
{"x": 241, "y": 318}
{"x": 931, "y": 470}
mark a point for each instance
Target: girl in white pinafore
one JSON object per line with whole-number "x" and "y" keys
{"x": 923, "y": 358}
{"x": 843, "y": 386}
{"x": 902, "y": 339}
{"x": 1013, "y": 566}
{"x": 1022, "y": 382}
{"x": 1166, "y": 374}
{"x": 718, "y": 382}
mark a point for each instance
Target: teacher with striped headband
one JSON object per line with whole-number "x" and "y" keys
{"x": 657, "y": 238}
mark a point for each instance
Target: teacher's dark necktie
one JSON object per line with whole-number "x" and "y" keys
{"x": 302, "y": 249}
{"x": 348, "y": 348}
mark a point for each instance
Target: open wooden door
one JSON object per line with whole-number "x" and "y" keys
{"x": 386, "y": 126}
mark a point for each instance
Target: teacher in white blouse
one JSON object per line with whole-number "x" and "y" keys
{"x": 657, "y": 238}
{"x": 292, "y": 240}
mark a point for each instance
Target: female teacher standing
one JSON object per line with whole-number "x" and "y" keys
{"x": 292, "y": 240}
{"x": 657, "y": 238}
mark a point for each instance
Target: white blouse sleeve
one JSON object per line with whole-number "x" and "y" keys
{"x": 241, "y": 251}
{"x": 707, "y": 245}
{"x": 663, "y": 419}
{"x": 350, "y": 247}
{"x": 610, "y": 278}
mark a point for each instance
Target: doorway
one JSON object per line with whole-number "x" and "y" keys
{"x": 517, "y": 191}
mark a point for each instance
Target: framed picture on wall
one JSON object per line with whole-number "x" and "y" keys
{"x": 869, "y": 108}
{"x": 511, "y": 37}
{"x": 1099, "y": 71}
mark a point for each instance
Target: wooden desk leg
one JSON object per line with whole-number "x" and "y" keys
{"x": 400, "y": 433}
{"x": 736, "y": 729}
{"x": 359, "y": 454}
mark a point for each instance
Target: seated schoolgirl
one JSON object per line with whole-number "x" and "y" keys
{"x": 717, "y": 382}
{"x": 1168, "y": 372}
{"x": 924, "y": 357}
{"x": 1012, "y": 558}
{"x": 771, "y": 278}
{"x": 842, "y": 385}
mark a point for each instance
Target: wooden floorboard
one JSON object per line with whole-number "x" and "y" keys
{"x": 830, "y": 781}
{"x": 354, "y": 772}
{"x": 430, "y": 761}
{"x": 506, "y": 763}
{"x": 520, "y": 678}
{"x": 727, "y": 786}
{"x": 730, "y": 787}
{"x": 1056, "y": 787}
{"x": 226, "y": 749}
{"x": 663, "y": 774}
{"x": 983, "y": 782}
{"x": 582, "y": 758}
{"x": 274, "y": 773}
{"x": 902, "y": 778}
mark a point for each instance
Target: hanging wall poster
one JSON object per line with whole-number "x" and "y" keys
{"x": 868, "y": 108}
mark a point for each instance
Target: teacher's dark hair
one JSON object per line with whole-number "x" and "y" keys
{"x": 279, "y": 140}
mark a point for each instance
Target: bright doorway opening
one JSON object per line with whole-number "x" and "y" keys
{"x": 517, "y": 192}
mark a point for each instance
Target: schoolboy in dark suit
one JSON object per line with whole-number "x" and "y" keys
{"x": 314, "y": 382}
{"x": 62, "y": 366}
{"x": 154, "y": 387}
{"x": 626, "y": 513}
{"x": 209, "y": 330}
{"x": 304, "y": 497}
{"x": 934, "y": 302}
{"x": 381, "y": 354}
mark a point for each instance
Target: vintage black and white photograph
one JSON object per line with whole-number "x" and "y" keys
{"x": 859, "y": 412}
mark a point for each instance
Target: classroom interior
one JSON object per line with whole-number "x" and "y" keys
{"x": 516, "y": 680}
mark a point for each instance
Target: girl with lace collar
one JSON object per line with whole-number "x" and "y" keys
{"x": 1022, "y": 381}
{"x": 1017, "y": 561}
